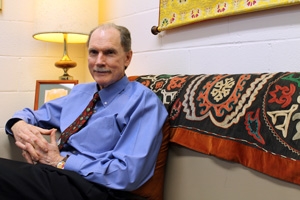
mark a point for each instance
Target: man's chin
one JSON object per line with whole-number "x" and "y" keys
{"x": 101, "y": 81}
{"x": 100, "y": 76}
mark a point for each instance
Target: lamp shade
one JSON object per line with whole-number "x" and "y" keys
{"x": 54, "y": 18}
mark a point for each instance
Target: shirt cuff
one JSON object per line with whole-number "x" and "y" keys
{"x": 9, "y": 124}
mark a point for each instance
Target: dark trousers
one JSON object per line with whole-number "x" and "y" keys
{"x": 19, "y": 180}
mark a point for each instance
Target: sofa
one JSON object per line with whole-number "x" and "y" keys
{"x": 228, "y": 136}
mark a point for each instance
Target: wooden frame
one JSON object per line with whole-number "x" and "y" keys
{"x": 46, "y": 90}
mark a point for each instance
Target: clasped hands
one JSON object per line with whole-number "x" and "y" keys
{"x": 35, "y": 148}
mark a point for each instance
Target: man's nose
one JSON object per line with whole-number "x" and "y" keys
{"x": 100, "y": 59}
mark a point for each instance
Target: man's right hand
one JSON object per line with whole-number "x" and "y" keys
{"x": 29, "y": 137}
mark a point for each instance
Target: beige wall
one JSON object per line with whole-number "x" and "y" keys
{"x": 23, "y": 60}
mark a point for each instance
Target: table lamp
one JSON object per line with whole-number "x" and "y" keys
{"x": 65, "y": 21}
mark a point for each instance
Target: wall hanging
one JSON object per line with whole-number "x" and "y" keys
{"x": 175, "y": 13}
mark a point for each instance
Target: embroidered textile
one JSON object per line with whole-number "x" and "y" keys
{"x": 175, "y": 13}
{"x": 252, "y": 119}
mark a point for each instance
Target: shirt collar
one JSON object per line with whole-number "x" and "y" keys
{"x": 109, "y": 93}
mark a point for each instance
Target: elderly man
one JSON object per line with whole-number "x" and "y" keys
{"x": 103, "y": 152}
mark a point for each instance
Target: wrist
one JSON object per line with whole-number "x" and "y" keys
{"x": 61, "y": 164}
{"x": 13, "y": 124}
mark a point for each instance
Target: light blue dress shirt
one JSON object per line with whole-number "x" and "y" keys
{"x": 118, "y": 147}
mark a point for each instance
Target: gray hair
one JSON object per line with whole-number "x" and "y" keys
{"x": 124, "y": 34}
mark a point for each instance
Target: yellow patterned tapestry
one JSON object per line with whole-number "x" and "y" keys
{"x": 174, "y": 13}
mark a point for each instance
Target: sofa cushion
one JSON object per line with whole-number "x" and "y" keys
{"x": 166, "y": 88}
{"x": 154, "y": 187}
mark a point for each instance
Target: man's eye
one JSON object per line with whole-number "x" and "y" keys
{"x": 93, "y": 52}
{"x": 109, "y": 52}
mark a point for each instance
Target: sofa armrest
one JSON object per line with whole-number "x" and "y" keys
{"x": 8, "y": 149}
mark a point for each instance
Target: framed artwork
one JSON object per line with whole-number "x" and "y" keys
{"x": 47, "y": 90}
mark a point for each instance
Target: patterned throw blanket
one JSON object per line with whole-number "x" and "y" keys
{"x": 252, "y": 119}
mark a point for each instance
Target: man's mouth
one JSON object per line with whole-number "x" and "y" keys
{"x": 101, "y": 71}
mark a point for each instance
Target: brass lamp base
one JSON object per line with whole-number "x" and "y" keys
{"x": 65, "y": 65}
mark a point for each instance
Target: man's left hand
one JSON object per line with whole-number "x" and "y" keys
{"x": 52, "y": 156}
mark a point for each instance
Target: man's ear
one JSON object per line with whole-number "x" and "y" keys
{"x": 128, "y": 58}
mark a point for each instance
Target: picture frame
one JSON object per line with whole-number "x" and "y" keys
{"x": 46, "y": 90}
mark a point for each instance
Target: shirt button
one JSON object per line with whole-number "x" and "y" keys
{"x": 105, "y": 103}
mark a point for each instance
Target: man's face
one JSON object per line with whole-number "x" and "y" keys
{"x": 107, "y": 58}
